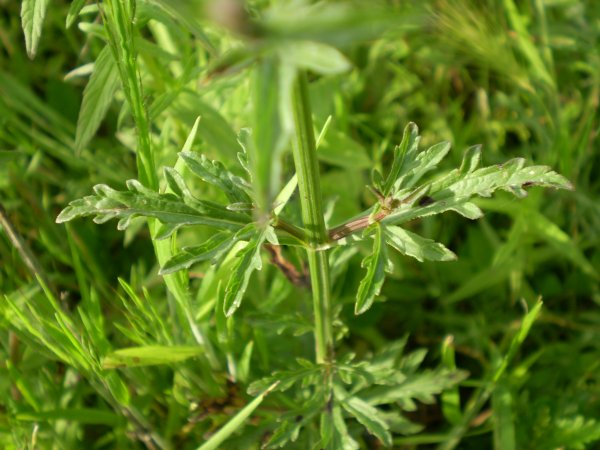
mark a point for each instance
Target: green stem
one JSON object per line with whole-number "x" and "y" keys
{"x": 307, "y": 169}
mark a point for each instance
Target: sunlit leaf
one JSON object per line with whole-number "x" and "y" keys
{"x": 315, "y": 56}
{"x": 108, "y": 203}
{"x": 453, "y": 191}
{"x": 418, "y": 247}
{"x": 150, "y": 355}
{"x": 236, "y": 422}
{"x": 214, "y": 172}
{"x": 74, "y": 10}
{"x": 33, "y": 13}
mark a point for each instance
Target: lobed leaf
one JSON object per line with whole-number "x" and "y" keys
{"x": 420, "y": 386}
{"x": 213, "y": 172}
{"x": 138, "y": 200}
{"x": 453, "y": 191}
{"x": 512, "y": 176}
{"x": 366, "y": 414}
{"x": 292, "y": 422}
{"x": 423, "y": 163}
{"x": 209, "y": 249}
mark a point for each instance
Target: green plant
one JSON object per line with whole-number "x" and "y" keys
{"x": 254, "y": 217}
{"x": 213, "y": 339}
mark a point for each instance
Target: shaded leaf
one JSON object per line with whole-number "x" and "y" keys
{"x": 248, "y": 260}
{"x": 212, "y": 248}
{"x": 504, "y": 424}
{"x": 366, "y": 415}
{"x": 371, "y": 284}
{"x": 80, "y": 415}
{"x": 97, "y": 98}
{"x": 421, "y": 386}
{"x": 341, "y": 439}
{"x": 572, "y": 432}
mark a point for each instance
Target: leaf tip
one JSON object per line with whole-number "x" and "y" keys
{"x": 64, "y": 216}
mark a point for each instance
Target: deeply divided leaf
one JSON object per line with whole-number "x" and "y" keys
{"x": 366, "y": 415}
{"x": 453, "y": 191}
{"x": 214, "y": 172}
{"x": 108, "y": 203}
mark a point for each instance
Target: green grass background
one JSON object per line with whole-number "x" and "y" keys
{"x": 520, "y": 77}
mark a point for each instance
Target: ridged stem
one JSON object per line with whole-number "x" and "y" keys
{"x": 307, "y": 168}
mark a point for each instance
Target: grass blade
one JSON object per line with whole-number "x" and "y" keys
{"x": 236, "y": 421}
{"x": 150, "y": 355}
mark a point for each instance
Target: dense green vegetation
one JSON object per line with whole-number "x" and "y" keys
{"x": 270, "y": 265}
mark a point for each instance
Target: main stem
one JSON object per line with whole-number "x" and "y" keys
{"x": 307, "y": 168}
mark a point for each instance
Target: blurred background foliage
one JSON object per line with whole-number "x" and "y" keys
{"x": 520, "y": 77}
